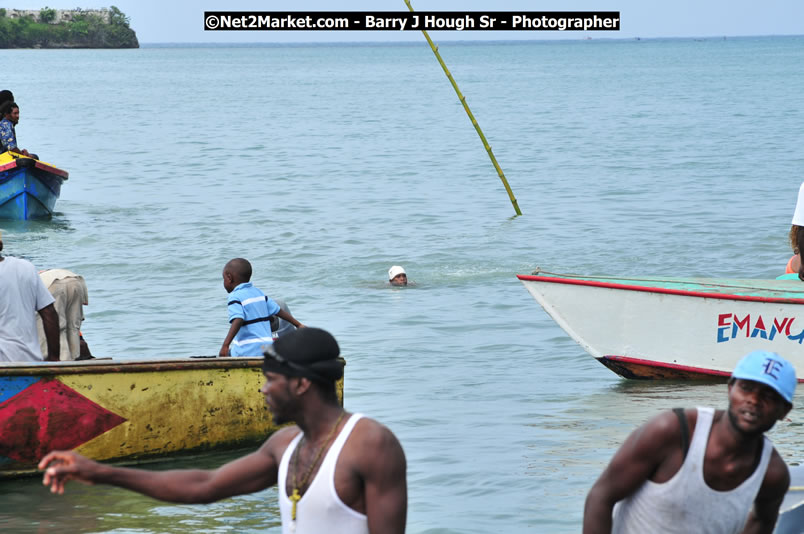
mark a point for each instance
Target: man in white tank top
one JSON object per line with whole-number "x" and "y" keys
{"x": 337, "y": 472}
{"x": 727, "y": 478}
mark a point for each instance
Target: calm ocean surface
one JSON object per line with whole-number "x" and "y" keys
{"x": 324, "y": 165}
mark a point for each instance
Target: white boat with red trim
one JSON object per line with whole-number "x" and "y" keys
{"x": 674, "y": 328}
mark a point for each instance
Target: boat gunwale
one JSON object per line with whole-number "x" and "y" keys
{"x": 662, "y": 290}
{"x": 8, "y": 166}
{"x": 121, "y": 366}
{"x": 99, "y": 366}
{"x": 24, "y": 162}
{"x": 52, "y": 170}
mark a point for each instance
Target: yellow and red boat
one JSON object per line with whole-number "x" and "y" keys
{"x": 128, "y": 411}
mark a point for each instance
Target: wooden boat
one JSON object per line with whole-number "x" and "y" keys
{"x": 674, "y": 328}
{"x": 29, "y": 188}
{"x": 128, "y": 412}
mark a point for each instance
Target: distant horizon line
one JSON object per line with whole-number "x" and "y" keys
{"x": 451, "y": 41}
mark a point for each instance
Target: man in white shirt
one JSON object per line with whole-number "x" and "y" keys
{"x": 24, "y": 295}
{"x": 702, "y": 470}
{"x": 336, "y": 472}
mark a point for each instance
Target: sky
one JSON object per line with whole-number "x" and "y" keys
{"x": 181, "y": 21}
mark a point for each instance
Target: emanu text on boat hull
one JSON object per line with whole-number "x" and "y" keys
{"x": 732, "y": 325}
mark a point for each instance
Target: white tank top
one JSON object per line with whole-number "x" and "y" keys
{"x": 685, "y": 503}
{"x": 320, "y": 510}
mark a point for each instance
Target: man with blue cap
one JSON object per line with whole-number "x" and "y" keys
{"x": 702, "y": 470}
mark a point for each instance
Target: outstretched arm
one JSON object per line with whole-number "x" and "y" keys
{"x": 248, "y": 474}
{"x": 634, "y": 463}
{"x": 50, "y": 322}
{"x": 765, "y": 511}
{"x": 286, "y": 315}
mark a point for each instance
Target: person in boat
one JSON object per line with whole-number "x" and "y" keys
{"x": 336, "y": 472}
{"x": 70, "y": 293}
{"x": 727, "y": 478}
{"x": 250, "y": 312}
{"x": 794, "y": 269}
{"x": 23, "y": 296}
{"x": 6, "y": 96}
{"x": 397, "y": 276}
{"x": 10, "y": 113}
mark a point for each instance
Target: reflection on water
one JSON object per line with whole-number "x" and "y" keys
{"x": 108, "y": 509}
{"x": 37, "y": 229}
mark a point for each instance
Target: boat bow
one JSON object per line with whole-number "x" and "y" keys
{"x": 685, "y": 328}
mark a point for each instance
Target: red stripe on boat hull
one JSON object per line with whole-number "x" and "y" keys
{"x": 53, "y": 170}
{"x": 682, "y": 292}
{"x": 37, "y": 164}
{"x": 8, "y": 166}
{"x": 640, "y": 369}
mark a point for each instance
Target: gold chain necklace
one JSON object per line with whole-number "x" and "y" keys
{"x": 296, "y": 496}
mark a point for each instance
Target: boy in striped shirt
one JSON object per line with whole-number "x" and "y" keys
{"x": 250, "y": 312}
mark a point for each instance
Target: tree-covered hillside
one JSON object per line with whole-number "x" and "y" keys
{"x": 84, "y": 30}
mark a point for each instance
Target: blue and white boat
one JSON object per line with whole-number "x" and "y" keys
{"x": 29, "y": 188}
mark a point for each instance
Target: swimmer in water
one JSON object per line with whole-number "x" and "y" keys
{"x": 397, "y": 276}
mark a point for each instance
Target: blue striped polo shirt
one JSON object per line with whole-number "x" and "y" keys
{"x": 250, "y": 304}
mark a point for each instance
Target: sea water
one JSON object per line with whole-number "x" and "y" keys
{"x": 325, "y": 165}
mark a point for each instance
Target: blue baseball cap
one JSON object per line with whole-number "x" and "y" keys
{"x": 768, "y": 368}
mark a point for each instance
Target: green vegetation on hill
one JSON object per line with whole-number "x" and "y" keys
{"x": 85, "y": 30}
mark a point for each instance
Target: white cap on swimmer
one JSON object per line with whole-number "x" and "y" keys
{"x": 397, "y": 270}
{"x": 798, "y": 216}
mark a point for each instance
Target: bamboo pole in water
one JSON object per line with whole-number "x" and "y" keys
{"x": 471, "y": 117}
